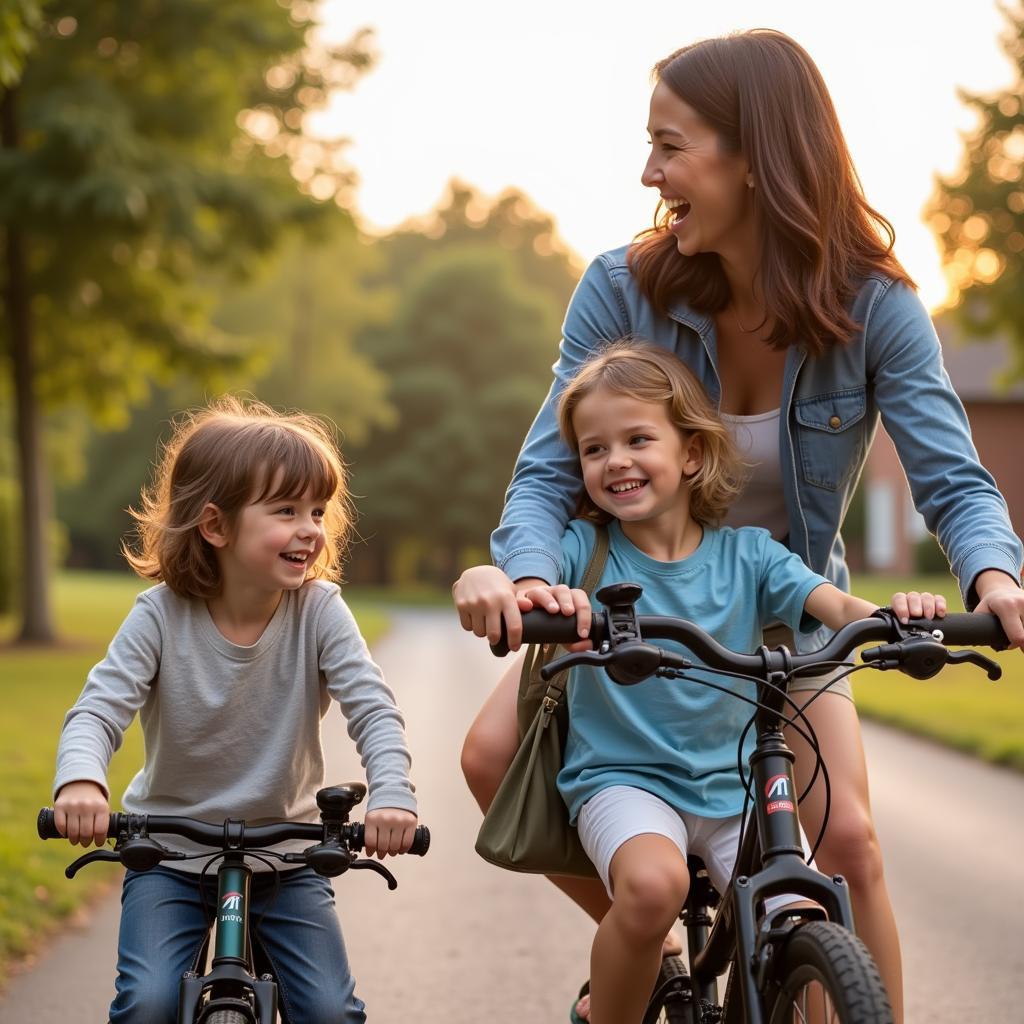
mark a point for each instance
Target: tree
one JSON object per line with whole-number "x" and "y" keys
{"x": 468, "y": 360}
{"x": 150, "y": 152}
{"x": 301, "y": 313}
{"x": 978, "y": 214}
{"x": 481, "y": 287}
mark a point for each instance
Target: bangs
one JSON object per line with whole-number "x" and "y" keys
{"x": 292, "y": 464}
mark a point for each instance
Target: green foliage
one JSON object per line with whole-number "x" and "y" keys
{"x": 304, "y": 312}
{"x": 133, "y": 175}
{"x": 19, "y": 22}
{"x": 978, "y": 214}
{"x": 481, "y": 292}
{"x": 300, "y": 314}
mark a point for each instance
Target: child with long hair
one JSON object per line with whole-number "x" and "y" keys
{"x": 231, "y": 661}
{"x": 650, "y": 770}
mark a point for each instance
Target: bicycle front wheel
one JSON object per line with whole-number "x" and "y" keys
{"x": 227, "y": 1017}
{"x": 825, "y": 974}
{"x": 671, "y": 1002}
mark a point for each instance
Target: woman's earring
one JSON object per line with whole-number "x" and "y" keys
{"x": 750, "y": 181}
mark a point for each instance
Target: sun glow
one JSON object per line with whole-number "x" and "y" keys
{"x": 553, "y": 101}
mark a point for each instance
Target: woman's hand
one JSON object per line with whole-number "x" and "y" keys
{"x": 1001, "y": 597}
{"x": 915, "y": 605}
{"x": 82, "y": 813}
{"x": 388, "y": 830}
{"x": 484, "y": 596}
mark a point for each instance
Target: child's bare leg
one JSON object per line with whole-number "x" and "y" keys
{"x": 490, "y": 745}
{"x": 650, "y": 882}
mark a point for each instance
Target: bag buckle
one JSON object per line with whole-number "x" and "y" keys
{"x": 549, "y": 705}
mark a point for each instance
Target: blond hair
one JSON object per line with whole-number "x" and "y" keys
{"x": 234, "y": 453}
{"x": 653, "y": 374}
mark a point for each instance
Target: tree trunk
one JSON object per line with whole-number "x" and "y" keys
{"x": 33, "y": 552}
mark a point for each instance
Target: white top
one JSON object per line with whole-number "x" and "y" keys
{"x": 761, "y": 502}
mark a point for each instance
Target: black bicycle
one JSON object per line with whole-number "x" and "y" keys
{"x": 231, "y": 991}
{"x": 799, "y": 963}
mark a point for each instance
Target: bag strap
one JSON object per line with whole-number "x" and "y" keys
{"x": 591, "y": 576}
{"x": 598, "y": 558}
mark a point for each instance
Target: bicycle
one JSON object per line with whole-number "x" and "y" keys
{"x": 801, "y": 962}
{"x": 231, "y": 992}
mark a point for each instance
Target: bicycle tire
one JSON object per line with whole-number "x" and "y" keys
{"x": 675, "y": 1007}
{"x": 824, "y": 965}
{"x": 227, "y": 1017}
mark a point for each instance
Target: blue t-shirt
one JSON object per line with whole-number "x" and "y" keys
{"x": 674, "y": 738}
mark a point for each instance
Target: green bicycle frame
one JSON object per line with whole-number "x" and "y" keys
{"x": 232, "y": 933}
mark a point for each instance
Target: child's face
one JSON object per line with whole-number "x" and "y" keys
{"x": 275, "y": 543}
{"x": 634, "y": 459}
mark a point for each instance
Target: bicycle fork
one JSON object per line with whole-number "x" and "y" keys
{"x": 782, "y": 856}
{"x": 229, "y": 980}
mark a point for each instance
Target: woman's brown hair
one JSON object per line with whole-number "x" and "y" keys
{"x": 765, "y": 98}
{"x": 234, "y": 453}
{"x": 653, "y": 374}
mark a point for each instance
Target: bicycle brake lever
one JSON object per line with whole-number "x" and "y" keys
{"x": 552, "y": 668}
{"x": 992, "y": 668}
{"x": 75, "y": 866}
{"x": 372, "y": 865}
{"x": 920, "y": 657}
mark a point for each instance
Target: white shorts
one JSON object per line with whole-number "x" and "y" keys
{"x": 620, "y": 813}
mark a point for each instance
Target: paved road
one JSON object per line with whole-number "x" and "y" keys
{"x": 460, "y": 942}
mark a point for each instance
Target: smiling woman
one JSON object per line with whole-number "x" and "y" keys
{"x": 774, "y": 280}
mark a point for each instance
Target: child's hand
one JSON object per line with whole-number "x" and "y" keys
{"x": 388, "y": 830}
{"x": 81, "y": 812}
{"x": 560, "y": 598}
{"x": 918, "y": 606}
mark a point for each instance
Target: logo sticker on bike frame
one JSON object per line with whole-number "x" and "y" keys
{"x": 231, "y": 901}
{"x": 776, "y": 790}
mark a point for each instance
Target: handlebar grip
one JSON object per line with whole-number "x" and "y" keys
{"x": 46, "y": 826}
{"x": 420, "y": 842}
{"x": 966, "y": 629}
{"x": 541, "y": 627}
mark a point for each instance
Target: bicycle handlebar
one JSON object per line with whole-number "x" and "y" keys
{"x": 957, "y": 629}
{"x": 250, "y": 837}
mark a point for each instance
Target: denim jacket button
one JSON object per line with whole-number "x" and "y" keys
{"x": 835, "y": 422}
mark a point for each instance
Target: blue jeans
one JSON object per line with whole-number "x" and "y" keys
{"x": 163, "y": 926}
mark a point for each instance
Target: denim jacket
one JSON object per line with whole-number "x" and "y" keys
{"x": 830, "y": 406}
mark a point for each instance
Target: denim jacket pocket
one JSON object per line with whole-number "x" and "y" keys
{"x": 831, "y": 445}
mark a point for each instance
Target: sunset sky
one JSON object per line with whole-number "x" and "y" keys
{"x": 551, "y": 97}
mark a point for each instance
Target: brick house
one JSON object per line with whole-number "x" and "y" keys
{"x": 996, "y": 412}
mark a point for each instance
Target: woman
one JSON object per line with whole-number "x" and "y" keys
{"x": 767, "y": 274}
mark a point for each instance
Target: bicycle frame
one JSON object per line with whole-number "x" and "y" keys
{"x": 770, "y": 863}
{"x": 231, "y": 983}
{"x": 231, "y": 972}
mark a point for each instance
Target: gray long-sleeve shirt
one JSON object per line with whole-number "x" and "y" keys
{"x": 234, "y": 731}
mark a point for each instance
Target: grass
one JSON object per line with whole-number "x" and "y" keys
{"x": 960, "y": 707}
{"x": 39, "y": 685}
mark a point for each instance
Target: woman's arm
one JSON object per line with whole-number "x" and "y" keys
{"x": 924, "y": 417}
{"x": 546, "y": 480}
